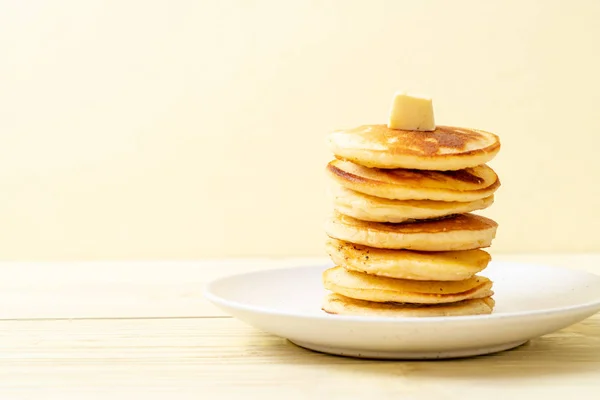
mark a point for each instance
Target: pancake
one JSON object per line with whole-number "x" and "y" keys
{"x": 358, "y": 285}
{"x": 405, "y": 184}
{"x": 337, "y": 304}
{"x": 459, "y": 232}
{"x": 377, "y": 209}
{"x": 405, "y": 264}
{"x": 445, "y": 149}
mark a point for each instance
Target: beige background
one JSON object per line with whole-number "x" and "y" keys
{"x": 188, "y": 129}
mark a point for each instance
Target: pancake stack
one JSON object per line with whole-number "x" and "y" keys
{"x": 403, "y": 235}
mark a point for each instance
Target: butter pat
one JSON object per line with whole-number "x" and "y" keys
{"x": 411, "y": 112}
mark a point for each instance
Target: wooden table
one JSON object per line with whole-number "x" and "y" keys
{"x": 143, "y": 330}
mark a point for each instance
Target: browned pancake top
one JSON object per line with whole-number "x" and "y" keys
{"x": 443, "y": 140}
{"x": 461, "y": 222}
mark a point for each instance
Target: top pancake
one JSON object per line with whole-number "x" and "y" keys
{"x": 445, "y": 149}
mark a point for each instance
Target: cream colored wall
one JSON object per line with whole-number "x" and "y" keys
{"x": 188, "y": 129}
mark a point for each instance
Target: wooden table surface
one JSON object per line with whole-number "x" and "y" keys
{"x": 132, "y": 330}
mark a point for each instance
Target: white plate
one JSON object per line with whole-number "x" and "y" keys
{"x": 531, "y": 301}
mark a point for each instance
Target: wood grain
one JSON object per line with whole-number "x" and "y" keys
{"x": 219, "y": 358}
{"x": 117, "y": 289}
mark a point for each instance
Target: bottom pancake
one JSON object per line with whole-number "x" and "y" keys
{"x": 337, "y": 304}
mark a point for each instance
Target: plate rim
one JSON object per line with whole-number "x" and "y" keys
{"x": 219, "y": 301}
